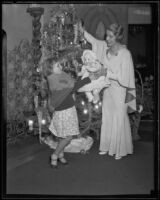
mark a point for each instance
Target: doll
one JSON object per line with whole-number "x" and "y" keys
{"x": 93, "y": 69}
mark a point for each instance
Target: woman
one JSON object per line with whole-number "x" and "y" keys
{"x": 64, "y": 123}
{"x": 119, "y": 97}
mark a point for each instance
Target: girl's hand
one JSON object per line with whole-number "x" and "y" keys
{"x": 79, "y": 74}
{"x": 81, "y": 28}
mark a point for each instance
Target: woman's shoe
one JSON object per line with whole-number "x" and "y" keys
{"x": 117, "y": 157}
{"x": 102, "y": 152}
{"x": 54, "y": 159}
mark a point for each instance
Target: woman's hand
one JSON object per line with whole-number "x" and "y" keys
{"x": 111, "y": 75}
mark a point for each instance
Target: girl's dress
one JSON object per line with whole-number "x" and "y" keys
{"x": 65, "y": 120}
{"x": 65, "y": 123}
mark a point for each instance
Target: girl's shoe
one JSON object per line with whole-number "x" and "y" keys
{"x": 62, "y": 159}
{"x": 117, "y": 157}
{"x": 54, "y": 163}
{"x": 102, "y": 152}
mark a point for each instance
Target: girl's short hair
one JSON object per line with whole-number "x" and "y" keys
{"x": 117, "y": 30}
{"x": 47, "y": 66}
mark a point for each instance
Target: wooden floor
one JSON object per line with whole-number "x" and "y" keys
{"x": 29, "y": 172}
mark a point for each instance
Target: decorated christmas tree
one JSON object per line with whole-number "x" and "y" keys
{"x": 61, "y": 40}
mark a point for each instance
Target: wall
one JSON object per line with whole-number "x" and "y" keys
{"x": 107, "y": 14}
{"x": 139, "y": 14}
{"x": 140, "y": 43}
{"x": 139, "y": 39}
{"x": 18, "y": 23}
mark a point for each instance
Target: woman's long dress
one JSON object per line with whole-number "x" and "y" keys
{"x": 115, "y": 135}
{"x": 115, "y": 130}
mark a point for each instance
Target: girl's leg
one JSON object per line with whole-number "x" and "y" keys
{"x": 62, "y": 144}
{"x": 96, "y": 95}
{"x": 89, "y": 96}
{"x": 61, "y": 158}
{"x": 59, "y": 151}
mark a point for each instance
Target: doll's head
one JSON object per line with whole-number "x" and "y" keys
{"x": 88, "y": 56}
{"x": 93, "y": 66}
{"x": 90, "y": 61}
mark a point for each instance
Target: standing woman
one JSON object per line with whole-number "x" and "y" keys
{"x": 64, "y": 123}
{"x": 119, "y": 97}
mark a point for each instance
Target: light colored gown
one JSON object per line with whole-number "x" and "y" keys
{"x": 118, "y": 99}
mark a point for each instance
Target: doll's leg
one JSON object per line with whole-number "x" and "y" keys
{"x": 89, "y": 96}
{"x": 85, "y": 74}
{"x": 96, "y": 95}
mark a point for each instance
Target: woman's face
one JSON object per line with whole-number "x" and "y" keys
{"x": 57, "y": 68}
{"x": 110, "y": 38}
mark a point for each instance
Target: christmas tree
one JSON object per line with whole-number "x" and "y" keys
{"x": 62, "y": 40}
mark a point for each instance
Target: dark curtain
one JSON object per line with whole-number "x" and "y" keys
{"x": 4, "y": 76}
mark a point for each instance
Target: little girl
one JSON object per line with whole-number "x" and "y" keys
{"x": 95, "y": 70}
{"x": 64, "y": 123}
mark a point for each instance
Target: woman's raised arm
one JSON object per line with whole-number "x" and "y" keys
{"x": 92, "y": 40}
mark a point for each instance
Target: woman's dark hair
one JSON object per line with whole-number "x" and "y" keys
{"x": 47, "y": 66}
{"x": 117, "y": 30}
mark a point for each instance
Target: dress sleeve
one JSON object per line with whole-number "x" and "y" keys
{"x": 125, "y": 75}
{"x": 126, "y": 78}
{"x": 92, "y": 40}
{"x": 98, "y": 46}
